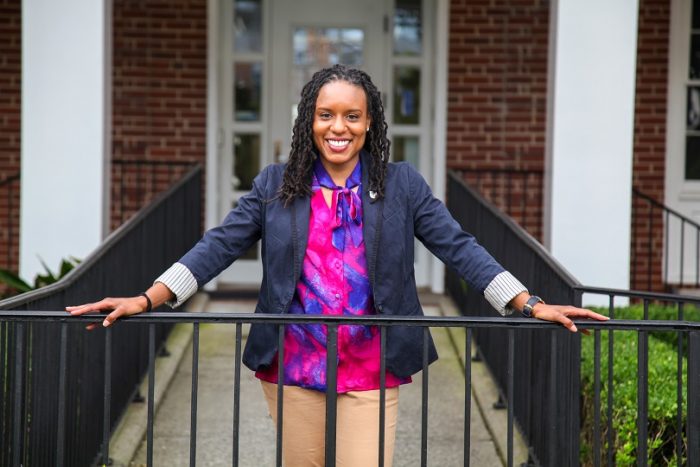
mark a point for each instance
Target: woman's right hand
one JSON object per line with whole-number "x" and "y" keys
{"x": 118, "y": 307}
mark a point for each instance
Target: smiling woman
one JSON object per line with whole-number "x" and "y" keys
{"x": 340, "y": 125}
{"x": 338, "y": 223}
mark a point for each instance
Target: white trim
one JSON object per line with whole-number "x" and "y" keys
{"x": 549, "y": 136}
{"x": 211, "y": 215}
{"x": 440, "y": 80}
{"x": 107, "y": 59}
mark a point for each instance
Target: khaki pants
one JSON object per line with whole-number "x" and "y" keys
{"x": 357, "y": 428}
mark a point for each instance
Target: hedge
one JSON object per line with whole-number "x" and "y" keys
{"x": 662, "y": 395}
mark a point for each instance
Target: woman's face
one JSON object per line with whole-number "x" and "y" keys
{"x": 340, "y": 125}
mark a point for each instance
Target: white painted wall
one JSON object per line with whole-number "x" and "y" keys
{"x": 590, "y": 130}
{"x": 66, "y": 129}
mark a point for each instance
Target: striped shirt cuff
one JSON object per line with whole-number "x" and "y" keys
{"x": 180, "y": 281}
{"x": 502, "y": 289}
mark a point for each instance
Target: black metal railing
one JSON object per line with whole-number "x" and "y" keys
{"x": 665, "y": 246}
{"x": 546, "y": 363}
{"x": 50, "y": 371}
{"x": 515, "y": 385}
{"x": 136, "y": 182}
{"x": 9, "y": 230}
{"x": 675, "y": 325}
{"x": 517, "y": 192}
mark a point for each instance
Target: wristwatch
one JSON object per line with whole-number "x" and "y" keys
{"x": 530, "y": 304}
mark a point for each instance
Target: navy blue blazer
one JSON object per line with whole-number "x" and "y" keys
{"x": 390, "y": 224}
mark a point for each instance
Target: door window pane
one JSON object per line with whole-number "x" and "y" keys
{"x": 246, "y": 161}
{"x": 406, "y": 148}
{"x": 692, "y": 158}
{"x": 247, "y": 26}
{"x": 317, "y": 48}
{"x": 406, "y": 94}
{"x": 694, "y": 68}
{"x": 408, "y": 28}
{"x": 247, "y": 91}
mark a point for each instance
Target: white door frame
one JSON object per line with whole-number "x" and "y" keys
{"x": 680, "y": 194}
{"x": 438, "y": 111}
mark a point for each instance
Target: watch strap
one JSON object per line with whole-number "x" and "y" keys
{"x": 530, "y": 304}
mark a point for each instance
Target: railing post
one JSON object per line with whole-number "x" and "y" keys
{"x": 424, "y": 401}
{"x": 237, "y": 395}
{"x": 280, "y": 395}
{"x": 193, "y": 402}
{"x": 106, "y": 416}
{"x": 151, "y": 392}
{"x": 382, "y": 393}
{"x": 693, "y": 419}
{"x": 331, "y": 392}
{"x": 61, "y": 426}
{"x": 18, "y": 402}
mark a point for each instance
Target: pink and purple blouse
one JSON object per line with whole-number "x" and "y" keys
{"x": 333, "y": 281}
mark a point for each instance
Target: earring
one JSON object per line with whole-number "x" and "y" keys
{"x": 367, "y": 128}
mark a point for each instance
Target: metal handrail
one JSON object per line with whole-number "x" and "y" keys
{"x": 690, "y": 417}
{"x": 664, "y": 215}
{"x": 112, "y": 239}
{"x": 32, "y": 367}
{"x": 128, "y": 201}
{"x": 372, "y": 320}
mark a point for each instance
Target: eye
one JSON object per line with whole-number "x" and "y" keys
{"x": 353, "y": 117}
{"x": 324, "y": 115}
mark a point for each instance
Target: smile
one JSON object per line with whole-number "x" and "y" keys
{"x": 338, "y": 143}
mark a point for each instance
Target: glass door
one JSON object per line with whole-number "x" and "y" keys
{"x": 271, "y": 48}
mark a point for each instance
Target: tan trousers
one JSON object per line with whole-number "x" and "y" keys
{"x": 357, "y": 429}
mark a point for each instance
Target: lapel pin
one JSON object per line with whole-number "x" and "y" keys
{"x": 372, "y": 194}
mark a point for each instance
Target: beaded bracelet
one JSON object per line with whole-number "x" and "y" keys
{"x": 149, "y": 303}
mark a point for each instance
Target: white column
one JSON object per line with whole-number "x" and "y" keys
{"x": 66, "y": 129}
{"x": 442, "y": 9}
{"x": 591, "y": 89}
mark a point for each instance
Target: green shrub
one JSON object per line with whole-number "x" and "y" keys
{"x": 662, "y": 392}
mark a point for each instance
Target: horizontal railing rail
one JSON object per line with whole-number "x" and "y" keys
{"x": 517, "y": 192}
{"x": 31, "y": 368}
{"x": 668, "y": 241}
{"x": 511, "y": 326}
{"x": 136, "y": 182}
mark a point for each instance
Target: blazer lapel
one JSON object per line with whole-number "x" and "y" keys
{"x": 301, "y": 210}
{"x": 371, "y": 218}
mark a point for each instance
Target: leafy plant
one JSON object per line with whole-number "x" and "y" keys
{"x": 16, "y": 285}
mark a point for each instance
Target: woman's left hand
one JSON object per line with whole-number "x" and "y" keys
{"x": 563, "y": 314}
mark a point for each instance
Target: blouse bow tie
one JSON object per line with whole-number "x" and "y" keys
{"x": 348, "y": 206}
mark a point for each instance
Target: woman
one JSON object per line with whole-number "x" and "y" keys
{"x": 337, "y": 224}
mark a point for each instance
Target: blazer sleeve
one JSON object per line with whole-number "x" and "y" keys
{"x": 436, "y": 228}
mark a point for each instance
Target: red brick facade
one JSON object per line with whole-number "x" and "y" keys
{"x": 497, "y": 97}
{"x": 650, "y": 141}
{"x": 10, "y": 104}
{"x": 159, "y": 96}
{"x": 496, "y": 105}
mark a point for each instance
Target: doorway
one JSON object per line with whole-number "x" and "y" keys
{"x": 270, "y": 48}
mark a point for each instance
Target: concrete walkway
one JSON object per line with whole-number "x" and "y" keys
{"x": 257, "y": 433}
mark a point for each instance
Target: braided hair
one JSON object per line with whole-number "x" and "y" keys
{"x": 297, "y": 175}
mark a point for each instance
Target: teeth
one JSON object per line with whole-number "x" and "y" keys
{"x": 338, "y": 143}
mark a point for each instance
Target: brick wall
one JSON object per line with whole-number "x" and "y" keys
{"x": 159, "y": 97}
{"x": 10, "y": 83}
{"x": 650, "y": 141}
{"x": 497, "y": 96}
